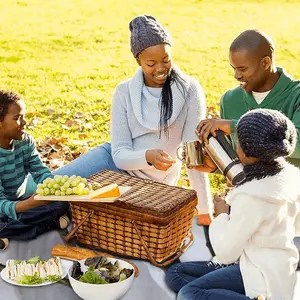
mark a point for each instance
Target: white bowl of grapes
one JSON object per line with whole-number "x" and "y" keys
{"x": 101, "y": 278}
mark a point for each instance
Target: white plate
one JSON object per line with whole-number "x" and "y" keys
{"x": 4, "y": 276}
{"x": 85, "y": 198}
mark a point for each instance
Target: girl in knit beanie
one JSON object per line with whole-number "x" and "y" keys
{"x": 253, "y": 240}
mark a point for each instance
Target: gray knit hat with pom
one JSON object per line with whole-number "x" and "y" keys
{"x": 146, "y": 31}
{"x": 266, "y": 134}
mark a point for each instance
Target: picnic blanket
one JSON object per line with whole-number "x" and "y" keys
{"x": 150, "y": 284}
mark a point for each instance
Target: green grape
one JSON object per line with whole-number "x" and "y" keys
{"x": 86, "y": 191}
{"x": 95, "y": 186}
{"x": 40, "y": 186}
{"x": 81, "y": 185}
{"x": 47, "y": 180}
{"x": 69, "y": 191}
{"x": 46, "y": 191}
{"x": 84, "y": 181}
{"x": 57, "y": 178}
{"x": 56, "y": 186}
{"x": 65, "y": 178}
{"x": 57, "y": 193}
{"x": 52, "y": 191}
{"x": 50, "y": 185}
{"x": 39, "y": 191}
{"x": 62, "y": 193}
{"x": 74, "y": 183}
{"x": 75, "y": 190}
{"x": 63, "y": 188}
{"x": 72, "y": 177}
{"x": 67, "y": 184}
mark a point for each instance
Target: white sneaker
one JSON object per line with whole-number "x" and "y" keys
{"x": 64, "y": 222}
{"x": 3, "y": 243}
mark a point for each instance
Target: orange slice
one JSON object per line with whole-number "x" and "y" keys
{"x": 108, "y": 191}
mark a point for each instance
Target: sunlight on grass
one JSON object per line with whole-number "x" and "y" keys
{"x": 70, "y": 55}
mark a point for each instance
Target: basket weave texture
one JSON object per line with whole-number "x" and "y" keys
{"x": 151, "y": 221}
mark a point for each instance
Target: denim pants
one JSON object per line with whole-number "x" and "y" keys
{"x": 205, "y": 280}
{"x": 91, "y": 162}
{"x": 33, "y": 222}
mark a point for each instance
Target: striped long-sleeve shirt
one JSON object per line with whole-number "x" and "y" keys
{"x": 15, "y": 165}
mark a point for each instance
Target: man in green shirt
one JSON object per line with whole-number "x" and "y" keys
{"x": 262, "y": 85}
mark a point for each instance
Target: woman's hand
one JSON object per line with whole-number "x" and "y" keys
{"x": 159, "y": 159}
{"x": 220, "y": 206}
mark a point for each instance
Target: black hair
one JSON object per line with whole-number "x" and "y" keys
{"x": 254, "y": 40}
{"x": 166, "y": 100}
{"x": 7, "y": 98}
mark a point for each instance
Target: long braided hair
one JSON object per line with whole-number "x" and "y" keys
{"x": 166, "y": 100}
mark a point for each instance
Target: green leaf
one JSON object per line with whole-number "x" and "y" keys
{"x": 92, "y": 277}
{"x": 33, "y": 260}
{"x": 30, "y": 280}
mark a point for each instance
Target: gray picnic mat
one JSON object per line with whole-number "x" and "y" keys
{"x": 148, "y": 285}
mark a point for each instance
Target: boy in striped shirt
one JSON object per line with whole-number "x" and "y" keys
{"x": 22, "y": 217}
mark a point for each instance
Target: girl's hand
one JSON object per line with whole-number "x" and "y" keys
{"x": 220, "y": 206}
{"x": 208, "y": 164}
{"x": 159, "y": 159}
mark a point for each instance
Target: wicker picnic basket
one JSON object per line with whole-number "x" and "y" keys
{"x": 151, "y": 221}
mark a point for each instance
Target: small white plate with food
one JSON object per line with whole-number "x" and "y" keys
{"x": 34, "y": 272}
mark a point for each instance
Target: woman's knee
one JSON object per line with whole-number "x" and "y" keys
{"x": 91, "y": 162}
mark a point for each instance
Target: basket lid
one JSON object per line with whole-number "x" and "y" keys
{"x": 146, "y": 196}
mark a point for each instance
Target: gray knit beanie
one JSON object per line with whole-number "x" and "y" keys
{"x": 266, "y": 134}
{"x": 146, "y": 31}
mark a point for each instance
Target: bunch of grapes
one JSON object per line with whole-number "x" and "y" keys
{"x": 63, "y": 186}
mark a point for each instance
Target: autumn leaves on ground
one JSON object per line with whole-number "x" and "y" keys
{"x": 66, "y": 57}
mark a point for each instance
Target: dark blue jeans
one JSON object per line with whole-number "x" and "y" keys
{"x": 33, "y": 222}
{"x": 206, "y": 281}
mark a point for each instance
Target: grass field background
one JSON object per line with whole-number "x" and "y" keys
{"x": 69, "y": 55}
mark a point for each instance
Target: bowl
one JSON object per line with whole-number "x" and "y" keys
{"x": 110, "y": 291}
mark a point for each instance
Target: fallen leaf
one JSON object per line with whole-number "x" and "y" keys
{"x": 34, "y": 121}
{"x": 69, "y": 123}
{"x": 83, "y": 136}
{"x": 50, "y": 111}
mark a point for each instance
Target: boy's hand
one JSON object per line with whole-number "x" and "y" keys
{"x": 159, "y": 159}
{"x": 30, "y": 203}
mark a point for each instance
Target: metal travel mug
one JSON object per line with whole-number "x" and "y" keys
{"x": 193, "y": 153}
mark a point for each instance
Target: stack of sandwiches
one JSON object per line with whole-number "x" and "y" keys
{"x": 16, "y": 269}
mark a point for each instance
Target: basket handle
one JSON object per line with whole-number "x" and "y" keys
{"x": 172, "y": 258}
{"x": 71, "y": 234}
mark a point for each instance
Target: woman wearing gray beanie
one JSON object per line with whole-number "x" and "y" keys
{"x": 152, "y": 114}
{"x": 253, "y": 240}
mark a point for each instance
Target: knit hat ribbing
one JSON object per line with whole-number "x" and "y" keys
{"x": 266, "y": 134}
{"x": 146, "y": 31}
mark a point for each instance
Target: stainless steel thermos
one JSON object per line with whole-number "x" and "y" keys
{"x": 226, "y": 159}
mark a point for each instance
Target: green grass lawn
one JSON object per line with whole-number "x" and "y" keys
{"x": 68, "y": 55}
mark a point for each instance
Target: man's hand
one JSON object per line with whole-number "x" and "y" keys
{"x": 205, "y": 127}
{"x": 220, "y": 206}
{"x": 159, "y": 159}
